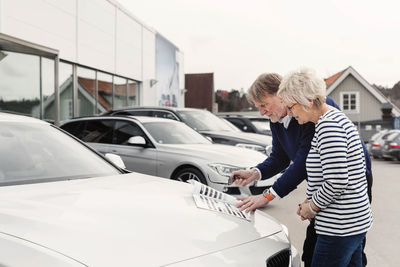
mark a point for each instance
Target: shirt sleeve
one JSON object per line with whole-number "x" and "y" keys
{"x": 332, "y": 147}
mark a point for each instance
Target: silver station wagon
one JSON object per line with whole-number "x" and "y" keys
{"x": 169, "y": 149}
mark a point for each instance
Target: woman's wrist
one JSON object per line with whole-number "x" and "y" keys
{"x": 313, "y": 208}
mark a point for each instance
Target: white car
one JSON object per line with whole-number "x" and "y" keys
{"x": 62, "y": 204}
{"x": 169, "y": 149}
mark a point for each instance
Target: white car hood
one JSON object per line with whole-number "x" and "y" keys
{"x": 123, "y": 220}
{"x": 216, "y": 153}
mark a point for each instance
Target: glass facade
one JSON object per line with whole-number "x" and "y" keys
{"x": 47, "y": 82}
{"x": 66, "y": 85}
{"x": 120, "y": 92}
{"x": 132, "y": 93}
{"x": 27, "y": 87}
{"x": 20, "y": 84}
{"x": 105, "y": 92}
{"x": 87, "y": 93}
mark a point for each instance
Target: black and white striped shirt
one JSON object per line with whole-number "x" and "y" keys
{"x": 336, "y": 177}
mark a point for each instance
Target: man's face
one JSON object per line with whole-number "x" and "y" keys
{"x": 272, "y": 107}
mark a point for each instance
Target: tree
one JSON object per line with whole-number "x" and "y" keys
{"x": 395, "y": 94}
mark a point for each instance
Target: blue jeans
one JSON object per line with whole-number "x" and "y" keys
{"x": 337, "y": 251}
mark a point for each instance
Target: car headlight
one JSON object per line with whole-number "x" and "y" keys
{"x": 253, "y": 147}
{"x": 224, "y": 169}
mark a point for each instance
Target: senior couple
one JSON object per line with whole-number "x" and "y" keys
{"x": 314, "y": 140}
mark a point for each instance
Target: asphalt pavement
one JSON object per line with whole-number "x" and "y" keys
{"x": 383, "y": 240}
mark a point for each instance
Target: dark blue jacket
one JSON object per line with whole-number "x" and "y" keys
{"x": 292, "y": 145}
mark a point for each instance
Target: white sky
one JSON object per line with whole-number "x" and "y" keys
{"x": 238, "y": 40}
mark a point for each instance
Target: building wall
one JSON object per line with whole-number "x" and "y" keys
{"x": 98, "y": 34}
{"x": 200, "y": 91}
{"x": 370, "y": 107}
{"x": 95, "y": 33}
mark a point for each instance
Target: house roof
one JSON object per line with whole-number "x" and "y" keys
{"x": 333, "y": 78}
{"x": 333, "y": 82}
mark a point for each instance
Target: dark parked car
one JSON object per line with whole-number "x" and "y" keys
{"x": 391, "y": 146}
{"x": 205, "y": 123}
{"x": 250, "y": 124}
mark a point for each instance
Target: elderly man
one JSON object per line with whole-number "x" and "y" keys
{"x": 290, "y": 146}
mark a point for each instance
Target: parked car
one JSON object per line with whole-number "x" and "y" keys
{"x": 391, "y": 146}
{"x": 169, "y": 149}
{"x": 376, "y": 142}
{"x": 204, "y": 122}
{"x": 250, "y": 124}
{"x": 63, "y": 204}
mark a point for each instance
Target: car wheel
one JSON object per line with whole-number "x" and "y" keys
{"x": 190, "y": 173}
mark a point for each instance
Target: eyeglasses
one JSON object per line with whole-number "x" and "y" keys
{"x": 290, "y": 108}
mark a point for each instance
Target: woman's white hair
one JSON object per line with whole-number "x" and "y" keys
{"x": 302, "y": 86}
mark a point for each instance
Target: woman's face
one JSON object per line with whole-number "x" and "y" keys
{"x": 298, "y": 112}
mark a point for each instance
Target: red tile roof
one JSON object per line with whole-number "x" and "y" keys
{"x": 332, "y": 79}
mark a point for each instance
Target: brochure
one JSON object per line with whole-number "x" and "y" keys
{"x": 208, "y": 198}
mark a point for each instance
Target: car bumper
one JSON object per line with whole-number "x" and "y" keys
{"x": 391, "y": 154}
{"x": 255, "y": 253}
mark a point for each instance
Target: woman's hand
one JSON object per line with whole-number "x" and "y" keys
{"x": 307, "y": 210}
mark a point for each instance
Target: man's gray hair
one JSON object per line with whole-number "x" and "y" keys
{"x": 266, "y": 83}
{"x": 302, "y": 86}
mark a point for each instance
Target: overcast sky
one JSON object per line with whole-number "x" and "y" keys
{"x": 238, "y": 40}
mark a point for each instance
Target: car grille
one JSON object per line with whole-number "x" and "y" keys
{"x": 280, "y": 259}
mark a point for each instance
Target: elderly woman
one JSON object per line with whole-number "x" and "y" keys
{"x": 336, "y": 185}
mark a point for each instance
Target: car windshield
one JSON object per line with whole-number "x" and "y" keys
{"x": 33, "y": 152}
{"x": 174, "y": 133}
{"x": 202, "y": 120}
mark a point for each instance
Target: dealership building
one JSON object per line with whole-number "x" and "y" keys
{"x": 61, "y": 59}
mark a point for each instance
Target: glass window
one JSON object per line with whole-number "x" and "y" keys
{"x": 392, "y": 136}
{"x": 147, "y": 113}
{"x": 170, "y": 132}
{"x": 104, "y": 95}
{"x": 74, "y": 128}
{"x": 125, "y": 130}
{"x": 164, "y": 114}
{"x": 33, "y": 152}
{"x": 48, "y": 89}
{"x": 349, "y": 101}
{"x": 20, "y": 84}
{"x": 66, "y": 90}
{"x": 345, "y": 102}
{"x": 120, "y": 90}
{"x": 132, "y": 93}
{"x": 98, "y": 131}
{"x": 202, "y": 120}
{"x": 86, "y": 91}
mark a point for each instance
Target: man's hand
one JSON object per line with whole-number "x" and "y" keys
{"x": 244, "y": 177}
{"x": 251, "y": 203}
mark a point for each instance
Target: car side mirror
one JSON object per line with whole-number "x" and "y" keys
{"x": 137, "y": 141}
{"x": 117, "y": 160}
